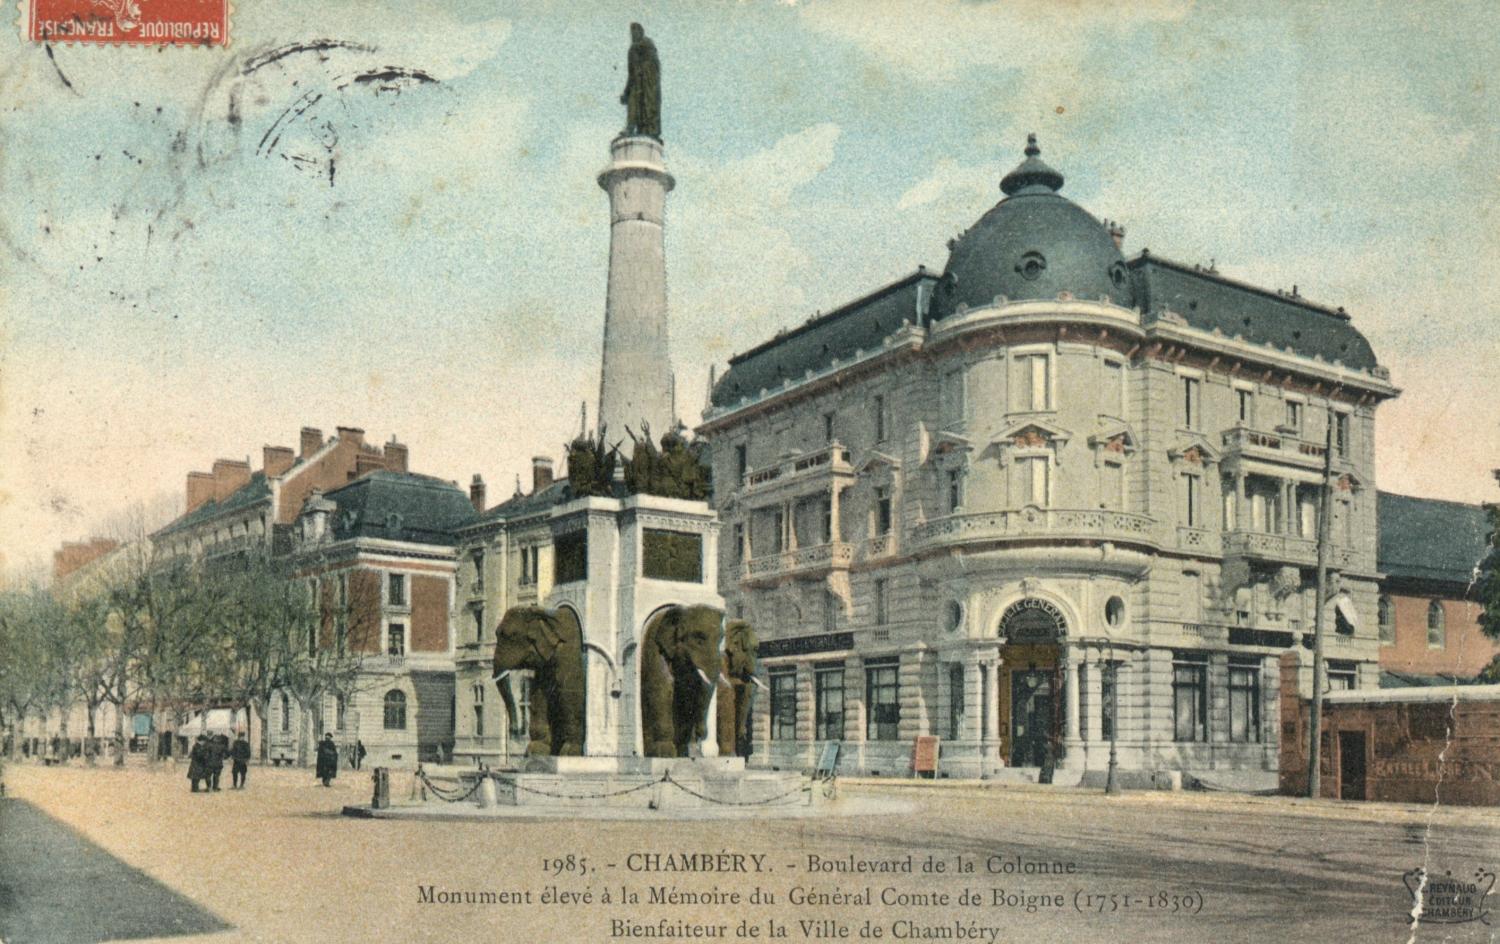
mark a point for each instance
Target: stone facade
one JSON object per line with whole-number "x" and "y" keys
{"x": 970, "y": 522}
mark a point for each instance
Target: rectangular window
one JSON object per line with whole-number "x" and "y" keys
{"x": 827, "y": 428}
{"x": 741, "y": 463}
{"x": 1192, "y": 498}
{"x": 1246, "y": 403}
{"x": 340, "y": 712}
{"x": 955, "y": 479}
{"x": 778, "y": 530}
{"x": 1307, "y": 518}
{"x": 1112, "y": 485}
{"x": 783, "y": 706}
{"x": 397, "y": 593}
{"x": 737, "y": 546}
{"x": 1034, "y": 387}
{"x": 1244, "y": 701}
{"x": 830, "y": 612}
{"x": 396, "y": 640}
{"x": 1190, "y": 696}
{"x": 882, "y": 509}
{"x": 570, "y": 558}
{"x": 478, "y": 610}
{"x": 882, "y": 706}
{"x": 956, "y": 701}
{"x": 882, "y": 602}
{"x": 825, "y": 509}
{"x": 1341, "y": 435}
{"x": 877, "y": 406}
{"x": 952, "y": 397}
{"x": 1108, "y": 681}
{"x": 1034, "y": 477}
{"x": 1114, "y": 386}
{"x": 1341, "y": 675}
{"x": 828, "y": 703}
{"x": 1294, "y": 415}
{"x": 1190, "y": 409}
{"x": 478, "y": 561}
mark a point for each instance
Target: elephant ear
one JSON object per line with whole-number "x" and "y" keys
{"x": 665, "y": 630}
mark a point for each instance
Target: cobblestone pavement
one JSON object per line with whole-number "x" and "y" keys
{"x": 278, "y": 863}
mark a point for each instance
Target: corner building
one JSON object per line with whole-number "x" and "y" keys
{"x": 1049, "y": 497}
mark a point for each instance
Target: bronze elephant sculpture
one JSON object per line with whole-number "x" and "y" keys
{"x": 737, "y": 684}
{"x": 549, "y": 643}
{"x": 680, "y": 666}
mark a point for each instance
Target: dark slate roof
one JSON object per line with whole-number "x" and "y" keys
{"x": 519, "y": 506}
{"x": 400, "y": 506}
{"x": 862, "y": 325}
{"x": 1392, "y": 679}
{"x": 1429, "y": 539}
{"x": 248, "y": 494}
{"x": 1209, "y": 301}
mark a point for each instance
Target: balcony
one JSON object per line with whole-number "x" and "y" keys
{"x": 792, "y": 471}
{"x": 1273, "y": 548}
{"x": 1199, "y": 540}
{"x": 1272, "y": 447}
{"x": 818, "y": 558}
{"x": 1030, "y": 523}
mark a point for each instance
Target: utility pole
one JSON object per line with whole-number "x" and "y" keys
{"x": 1315, "y": 720}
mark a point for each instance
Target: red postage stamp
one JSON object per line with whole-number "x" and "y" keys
{"x": 128, "y": 22}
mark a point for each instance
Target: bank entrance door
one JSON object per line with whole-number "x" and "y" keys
{"x": 1031, "y": 704}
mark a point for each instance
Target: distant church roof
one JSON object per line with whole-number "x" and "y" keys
{"x": 1429, "y": 539}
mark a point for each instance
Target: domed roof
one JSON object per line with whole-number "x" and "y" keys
{"x": 1034, "y": 244}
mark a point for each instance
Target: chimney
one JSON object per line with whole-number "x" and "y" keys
{"x": 395, "y": 455}
{"x": 200, "y": 488}
{"x": 351, "y": 434}
{"x": 541, "y": 473}
{"x": 229, "y": 476}
{"x": 274, "y": 460}
{"x": 476, "y": 493}
{"x": 1117, "y": 233}
{"x": 365, "y": 463}
{"x": 312, "y": 441}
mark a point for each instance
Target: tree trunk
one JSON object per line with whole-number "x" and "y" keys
{"x": 304, "y": 732}
{"x": 119, "y": 745}
{"x": 90, "y": 749}
{"x": 62, "y": 733}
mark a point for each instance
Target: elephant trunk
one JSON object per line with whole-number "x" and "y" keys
{"x": 502, "y": 682}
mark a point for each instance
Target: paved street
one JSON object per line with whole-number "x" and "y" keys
{"x": 277, "y": 863}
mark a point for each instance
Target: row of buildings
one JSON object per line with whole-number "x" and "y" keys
{"x": 1049, "y": 498}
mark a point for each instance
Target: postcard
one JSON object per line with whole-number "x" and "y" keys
{"x": 791, "y": 470}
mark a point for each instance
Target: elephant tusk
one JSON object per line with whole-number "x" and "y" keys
{"x": 706, "y": 680}
{"x": 723, "y": 679}
{"x": 763, "y": 685}
{"x": 500, "y": 675}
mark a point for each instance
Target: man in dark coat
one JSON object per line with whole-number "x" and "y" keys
{"x": 328, "y": 759}
{"x": 218, "y": 750}
{"x": 197, "y": 761}
{"x": 359, "y": 754}
{"x": 240, "y": 754}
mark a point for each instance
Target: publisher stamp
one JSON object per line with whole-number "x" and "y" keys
{"x": 127, "y": 22}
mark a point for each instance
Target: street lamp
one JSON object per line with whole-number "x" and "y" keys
{"x": 1112, "y": 779}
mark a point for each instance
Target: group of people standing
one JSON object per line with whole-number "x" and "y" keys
{"x": 206, "y": 760}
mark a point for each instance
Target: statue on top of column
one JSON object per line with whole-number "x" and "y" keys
{"x": 642, "y": 95}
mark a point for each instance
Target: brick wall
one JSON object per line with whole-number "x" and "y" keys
{"x": 1464, "y": 653}
{"x": 429, "y": 614}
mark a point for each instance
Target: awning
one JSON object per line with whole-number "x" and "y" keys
{"x": 1345, "y": 608}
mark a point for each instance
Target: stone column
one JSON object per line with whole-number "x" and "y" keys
{"x": 632, "y": 389}
{"x": 1072, "y": 743}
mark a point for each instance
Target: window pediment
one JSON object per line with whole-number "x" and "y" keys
{"x": 1193, "y": 449}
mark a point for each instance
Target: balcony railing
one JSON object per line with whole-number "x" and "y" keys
{"x": 818, "y": 557}
{"x": 832, "y": 459}
{"x": 1031, "y": 523}
{"x": 1198, "y": 539}
{"x": 1270, "y": 547}
{"x": 1273, "y": 447}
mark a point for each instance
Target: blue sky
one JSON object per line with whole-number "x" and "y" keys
{"x": 176, "y": 286}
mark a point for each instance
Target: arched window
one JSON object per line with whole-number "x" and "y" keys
{"x": 395, "y": 710}
{"x": 1437, "y": 630}
{"x": 1387, "y": 616}
{"x": 286, "y": 713}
